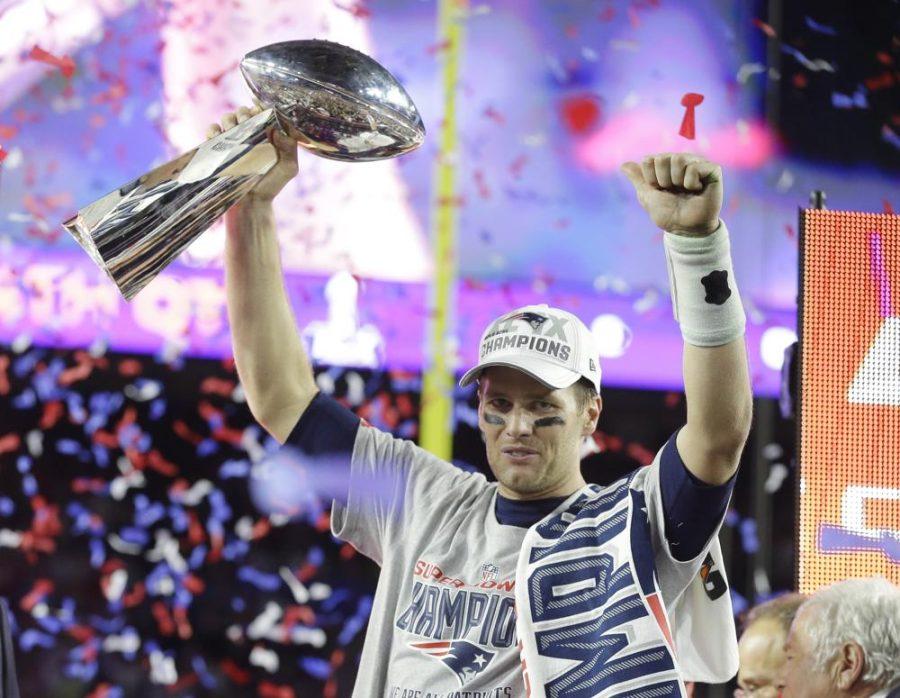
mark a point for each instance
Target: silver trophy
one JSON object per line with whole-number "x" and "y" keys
{"x": 334, "y": 101}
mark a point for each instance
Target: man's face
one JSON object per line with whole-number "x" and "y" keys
{"x": 533, "y": 434}
{"x": 800, "y": 677}
{"x": 761, "y": 650}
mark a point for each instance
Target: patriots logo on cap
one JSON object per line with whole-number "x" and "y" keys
{"x": 533, "y": 319}
{"x": 464, "y": 659}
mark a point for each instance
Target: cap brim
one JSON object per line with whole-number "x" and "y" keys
{"x": 555, "y": 377}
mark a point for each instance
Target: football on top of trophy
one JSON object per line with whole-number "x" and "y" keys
{"x": 335, "y": 101}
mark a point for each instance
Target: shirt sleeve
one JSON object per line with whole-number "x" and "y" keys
{"x": 382, "y": 487}
{"x": 675, "y": 570}
{"x": 693, "y": 510}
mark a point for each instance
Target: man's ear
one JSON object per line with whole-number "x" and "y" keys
{"x": 851, "y": 664}
{"x": 592, "y": 416}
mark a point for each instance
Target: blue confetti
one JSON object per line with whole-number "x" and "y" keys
{"x": 197, "y": 557}
{"x": 749, "y": 537}
{"x": 68, "y": 446}
{"x": 234, "y": 468}
{"x": 842, "y": 101}
{"x": 738, "y": 603}
{"x": 29, "y": 639}
{"x": 178, "y": 518}
{"x": 98, "y": 553}
{"x": 29, "y": 485}
{"x": 207, "y": 447}
{"x": 261, "y": 580}
{"x": 132, "y": 534}
{"x": 320, "y": 668}
{"x": 206, "y": 678}
{"x": 25, "y": 364}
{"x": 337, "y": 597}
{"x": 25, "y": 400}
{"x": 821, "y": 28}
{"x": 75, "y": 406}
{"x": 235, "y": 550}
{"x": 101, "y": 455}
{"x": 157, "y": 409}
{"x": 150, "y": 514}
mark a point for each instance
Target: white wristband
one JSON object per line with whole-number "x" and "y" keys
{"x": 705, "y": 298}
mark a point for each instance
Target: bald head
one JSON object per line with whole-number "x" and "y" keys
{"x": 761, "y": 656}
{"x": 761, "y": 647}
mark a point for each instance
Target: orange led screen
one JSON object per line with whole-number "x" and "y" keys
{"x": 849, "y": 397}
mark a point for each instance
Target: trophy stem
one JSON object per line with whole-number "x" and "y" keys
{"x": 134, "y": 232}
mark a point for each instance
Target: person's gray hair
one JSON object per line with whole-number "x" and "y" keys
{"x": 864, "y": 611}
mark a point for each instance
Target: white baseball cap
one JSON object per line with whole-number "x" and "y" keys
{"x": 551, "y": 345}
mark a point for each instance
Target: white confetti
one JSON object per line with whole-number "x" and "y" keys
{"x": 126, "y": 643}
{"x": 300, "y": 592}
{"x": 746, "y": 71}
{"x": 114, "y": 589}
{"x": 265, "y": 621}
{"x": 121, "y": 546}
{"x": 35, "y": 442}
{"x": 162, "y": 669}
{"x": 265, "y": 658}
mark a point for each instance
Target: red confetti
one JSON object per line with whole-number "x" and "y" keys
{"x": 163, "y": 620}
{"x": 357, "y": 9}
{"x": 789, "y": 231}
{"x": 607, "y": 14}
{"x": 767, "y": 30}
{"x": 494, "y": 115}
{"x": 9, "y": 443}
{"x": 633, "y": 18}
{"x": 434, "y": 49}
{"x": 234, "y": 672}
{"x": 690, "y": 102}
{"x": 886, "y": 205}
{"x": 517, "y": 165}
{"x": 580, "y": 114}
{"x": 640, "y": 453}
{"x": 104, "y": 690}
{"x": 135, "y": 597}
{"x": 217, "y": 386}
{"x": 41, "y": 588}
{"x": 800, "y": 80}
{"x": 65, "y": 64}
{"x": 298, "y": 614}
{"x": 880, "y": 82}
{"x": 483, "y": 190}
{"x": 194, "y": 584}
{"x": 3, "y": 154}
{"x": 267, "y": 689}
{"x": 130, "y": 368}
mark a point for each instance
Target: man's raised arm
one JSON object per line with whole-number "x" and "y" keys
{"x": 271, "y": 362}
{"x": 683, "y": 195}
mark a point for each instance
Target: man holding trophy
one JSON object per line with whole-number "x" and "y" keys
{"x": 536, "y": 584}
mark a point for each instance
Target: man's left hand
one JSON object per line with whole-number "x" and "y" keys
{"x": 682, "y": 192}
